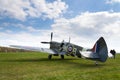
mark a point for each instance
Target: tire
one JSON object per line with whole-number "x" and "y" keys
{"x": 49, "y": 57}
{"x": 62, "y": 56}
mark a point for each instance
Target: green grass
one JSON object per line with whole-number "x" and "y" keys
{"x": 36, "y": 66}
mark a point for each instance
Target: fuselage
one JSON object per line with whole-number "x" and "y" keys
{"x": 67, "y": 48}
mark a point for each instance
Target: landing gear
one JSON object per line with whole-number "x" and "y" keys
{"x": 62, "y": 56}
{"x": 49, "y": 57}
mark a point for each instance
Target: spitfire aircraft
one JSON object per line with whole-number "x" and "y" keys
{"x": 99, "y": 52}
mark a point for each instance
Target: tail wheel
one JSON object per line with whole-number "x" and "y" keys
{"x": 62, "y": 56}
{"x": 49, "y": 57}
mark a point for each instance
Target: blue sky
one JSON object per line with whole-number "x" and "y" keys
{"x": 27, "y": 22}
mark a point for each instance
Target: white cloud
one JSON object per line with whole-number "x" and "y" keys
{"x": 50, "y": 10}
{"x": 18, "y": 26}
{"x": 34, "y": 8}
{"x": 84, "y": 30}
{"x": 26, "y": 28}
{"x": 23, "y": 38}
{"x": 14, "y": 8}
{"x": 113, "y": 1}
{"x": 113, "y": 28}
{"x": 87, "y": 27}
{"x": 99, "y": 22}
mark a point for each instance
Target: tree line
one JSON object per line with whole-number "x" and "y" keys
{"x": 7, "y": 49}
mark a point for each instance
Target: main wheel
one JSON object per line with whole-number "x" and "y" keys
{"x": 62, "y": 56}
{"x": 49, "y": 57}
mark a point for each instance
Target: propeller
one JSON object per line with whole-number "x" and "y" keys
{"x": 44, "y": 42}
{"x": 51, "y": 36}
{"x": 62, "y": 43}
{"x": 61, "y": 46}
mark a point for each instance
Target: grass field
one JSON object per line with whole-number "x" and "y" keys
{"x": 36, "y": 66}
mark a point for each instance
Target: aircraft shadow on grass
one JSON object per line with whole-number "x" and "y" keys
{"x": 35, "y": 60}
{"x": 59, "y": 61}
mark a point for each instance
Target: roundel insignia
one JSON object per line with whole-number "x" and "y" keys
{"x": 70, "y": 48}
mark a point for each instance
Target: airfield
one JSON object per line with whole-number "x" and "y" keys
{"x": 36, "y": 66}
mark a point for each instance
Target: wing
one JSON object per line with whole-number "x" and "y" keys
{"x": 46, "y": 50}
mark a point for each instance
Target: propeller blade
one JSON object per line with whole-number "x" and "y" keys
{"x": 62, "y": 43}
{"x": 51, "y": 36}
{"x": 46, "y": 42}
{"x": 50, "y": 41}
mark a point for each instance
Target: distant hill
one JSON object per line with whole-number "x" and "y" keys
{"x": 8, "y": 49}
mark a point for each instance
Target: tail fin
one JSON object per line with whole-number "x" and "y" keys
{"x": 100, "y": 48}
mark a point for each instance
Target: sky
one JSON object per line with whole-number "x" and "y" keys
{"x": 28, "y": 22}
